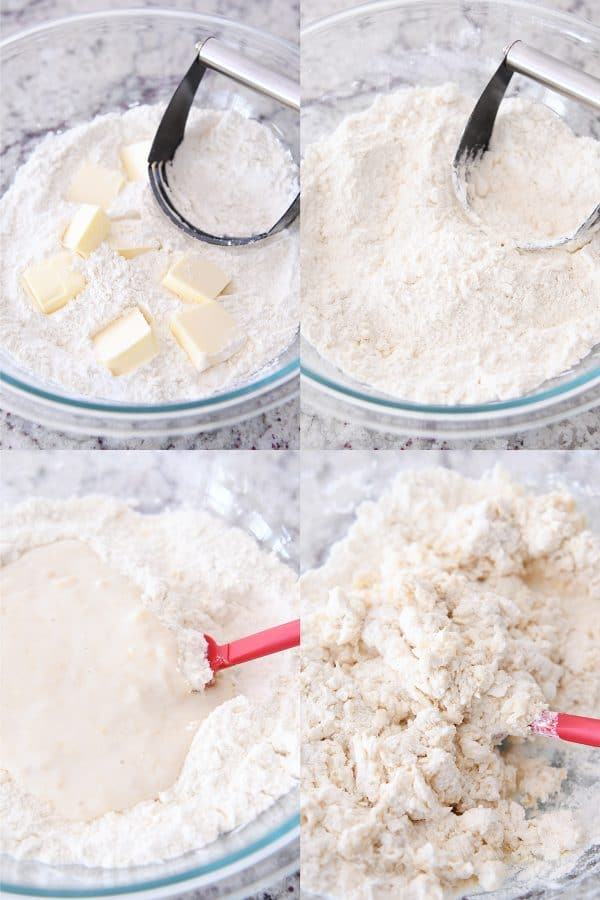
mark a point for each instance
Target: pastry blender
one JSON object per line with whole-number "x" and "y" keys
{"x": 212, "y": 54}
{"x": 550, "y": 72}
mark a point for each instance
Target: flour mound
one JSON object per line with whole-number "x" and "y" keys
{"x": 403, "y": 292}
{"x": 247, "y": 169}
{"x": 452, "y": 613}
{"x": 198, "y": 576}
{"x": 537, "y": 181}
{"x": 263, "y": 292}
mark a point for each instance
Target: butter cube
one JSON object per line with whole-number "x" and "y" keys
{"x": 127, "y": 343}
{"x": 88, "y": 228}
{"x": 126, "y": 238}
{"x": 207, "y": 333}
{"x": 135, "y": 160}
{"x": 95, "y": 184}
{"x": 195, "y": 279}
{"x": 53, "y": 282}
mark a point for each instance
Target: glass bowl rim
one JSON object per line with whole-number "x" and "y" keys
{"x": 397, "y": 405}
{"x": 255, "y": 388}
{"x": 284, "y": 833}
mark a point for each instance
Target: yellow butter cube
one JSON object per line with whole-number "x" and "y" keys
{"x": 126, "y": 343}
{"x": 126, "y": 237}
{"x": 195, "y": 279}
{"x": 53, "y": 282}
{"x": 96, "y": 185}
{"x": 88, "y": 228}
{"x": 135, "y": 160}
{"x": 207, "y": 333}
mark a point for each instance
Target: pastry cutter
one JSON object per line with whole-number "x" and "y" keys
{"x": 263, "y": 643}
{"x": 212, "y": 54}
{"x": 550, "y": 72}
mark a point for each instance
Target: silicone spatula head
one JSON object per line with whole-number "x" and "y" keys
{"x": 263, "y": 643}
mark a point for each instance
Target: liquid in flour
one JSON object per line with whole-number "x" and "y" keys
{"x": 95, "y": 715}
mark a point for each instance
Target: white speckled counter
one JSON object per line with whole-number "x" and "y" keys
{"x": 320, "y": 432}
{"x": 316, "y": 9}
{"x": 276, "y": 429}
{"x": 168, "y": 480}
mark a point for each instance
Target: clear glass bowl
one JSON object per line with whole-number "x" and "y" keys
{"x": 350, "y": 57}
{"x": 261, "y": 498}
{"x": 121, "y": 59}
{"x": 332, "y": 490}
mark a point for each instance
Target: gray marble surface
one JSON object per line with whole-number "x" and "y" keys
{"x": 580, "y": 432}
{"x": 316, "y": 9}
{"x": 276, "y": 429}
{"x": 317, "y": 431}
{"x": 278, "y": 17}
{"x": 266, "y": 483}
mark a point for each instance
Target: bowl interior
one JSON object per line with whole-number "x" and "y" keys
{"x": 77, "y": 68}
{"x": 239, "y": 491}
{"x": 380, "y": 47}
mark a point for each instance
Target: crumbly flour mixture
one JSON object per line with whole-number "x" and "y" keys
{"x": 197, "y": 575}
{"x": 262, "y": 296}
{"x": 451, "y": 614}
{"x": 403, "y": 292}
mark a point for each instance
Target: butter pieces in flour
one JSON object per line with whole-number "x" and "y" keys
{"x": 53, "y": 282}
{"x": 126, "y": 343}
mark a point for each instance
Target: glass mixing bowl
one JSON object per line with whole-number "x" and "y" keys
{"x": 347, "y": 59}
{"x": 332, "y": 488}
{"x": 120, "y": 59}
{"x": 261, "y": 498}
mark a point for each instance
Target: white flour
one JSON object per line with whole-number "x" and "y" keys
{"x": 240, "y": 166}
{"x": 452, "y": 612}
{"x": 197, "y": 575}
{"x": 262, "y": 295}
{"x": 402, "y": 292}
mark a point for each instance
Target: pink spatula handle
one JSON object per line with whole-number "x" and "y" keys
{"x": 282, "y": 637}
{"x": 576, "y": 729}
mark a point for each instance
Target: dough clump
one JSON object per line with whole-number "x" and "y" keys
{"x": 449, "y": 617}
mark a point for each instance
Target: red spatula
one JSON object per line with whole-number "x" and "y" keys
{"x": 282, "y": 637}
{"x": 576, "y": 729}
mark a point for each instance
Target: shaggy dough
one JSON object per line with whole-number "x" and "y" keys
{"x": 451, "y": 614}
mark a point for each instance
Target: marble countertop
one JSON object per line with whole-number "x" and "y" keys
{"x": 582, "y": 431}
{"x": 162, "y": 480}
{"x": 316, "y": 9}
{"x": 278, "y": 17}
{"x": 268, "y": 483}
{"x": 276, "y": 429}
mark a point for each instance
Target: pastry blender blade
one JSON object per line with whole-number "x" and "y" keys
{"x": 550, "y": 72}
{"x": 212, "y": 54}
